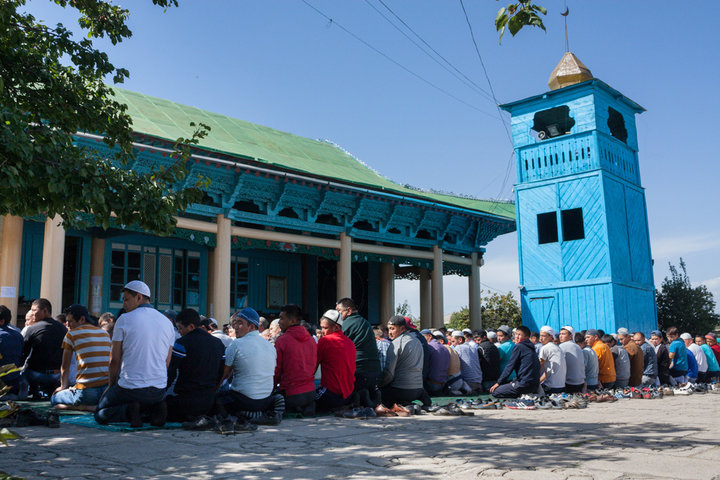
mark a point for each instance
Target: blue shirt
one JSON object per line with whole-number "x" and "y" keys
{"x": 505, "y": 351}
{"x": 253, "y": 360}
{"x": 712, "y": 361}
{"x": 692, "y": 365}
{"x": 469, "y": 362}
{"x": 11, "y": 347}
{"x": 680, "y": 359}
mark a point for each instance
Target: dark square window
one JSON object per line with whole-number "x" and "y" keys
{"x": 572, "y": 224}
{"x": 547, "y": 227}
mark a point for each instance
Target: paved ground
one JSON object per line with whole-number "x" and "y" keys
{"x": 677, "y": 437}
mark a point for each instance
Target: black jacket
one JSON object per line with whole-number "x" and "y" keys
{"x": 43, "y": 345}
{"x": 524, "y": 360}
{"x": 489, "y": 360}
{"x": 198, "y": 360}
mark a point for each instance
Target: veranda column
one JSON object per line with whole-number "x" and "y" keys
{"x": 425, "y": 298}
{"x": 221, "y": 270}
{"x": 387, "y": 291}
{"x": 344, "y": 266}
{"x": 474, "y": 293}
{"x": 97, "y": 270}
{"x": 53, "y": 260}
{"x": 10, "y": 254}
{"x": 437, "y": 288}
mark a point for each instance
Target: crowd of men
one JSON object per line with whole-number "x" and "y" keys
{"x": 148, "y": 366}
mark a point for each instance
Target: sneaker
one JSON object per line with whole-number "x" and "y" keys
{"x": 444, "y": 412}
{"x": 158, "y": 414}
{"x": 203, "y": 422}
{"x": 243, "y": 426}
{"x": 270, "y": 418}
{"x": 225, "y": 426}
{"x": 133, "y": 415}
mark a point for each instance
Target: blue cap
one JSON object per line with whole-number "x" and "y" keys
{"x": 425, "y": 331}
{"x": 171, "y": 314}
{"x": 250, "y": 315}
{"x": 657, "y": 333}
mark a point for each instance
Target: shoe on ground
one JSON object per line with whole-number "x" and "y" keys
{"x": 443, "y": 412}
{"x": 201, "y": 423}
{"x": 158, "y": 414}
{"x": 225, "y": 426}
{"x": 133, "y": 415}
{"x": 243, "y": 426}
{"x": 400, "y": 411}
{"x": 53, "y": 420}
{"x": 382, "y": 411}
{"x": 270, "y": 418}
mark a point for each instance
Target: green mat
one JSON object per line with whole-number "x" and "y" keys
{"x": 88, "y": 420}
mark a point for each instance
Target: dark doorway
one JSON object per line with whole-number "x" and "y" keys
{"x": 327, "y": 285}
{"x": 71, "y": 273}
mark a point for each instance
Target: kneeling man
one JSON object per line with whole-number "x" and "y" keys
{"x": 336, "y": 358}
{"x": 525, "y": 362}
{"x": 402, "y": 380}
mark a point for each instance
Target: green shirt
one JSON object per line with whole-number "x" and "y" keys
{"x": 359, "y": 330}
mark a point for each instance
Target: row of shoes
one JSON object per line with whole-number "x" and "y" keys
{"x": 227, "y": 425}
{"x": 451, "y": 409}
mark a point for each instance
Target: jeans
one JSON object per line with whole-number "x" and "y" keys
{"x": 622, "y": 383}
{"x": 365, "y": 391}
{"x": 235, "y": 401}
{"x": 433, "y": 388}
{"x": 574, "y": 388}
{"x": 41, "y": 381}
{"x": 649, "y": 380}
{"x": 608, "y": 385}
{"x": 114, "y": 402}
{"x": 513, "y": 390}
{"x": 78, "y": 396}
{"x": 549, "y": 390}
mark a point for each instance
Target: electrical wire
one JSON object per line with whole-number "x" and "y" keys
{"x": 395, "y": 62}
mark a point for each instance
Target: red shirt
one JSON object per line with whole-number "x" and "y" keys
{"x": 296, "y": 361}
{"x": 716, "y": 351}
{"x": 336, "y": 357}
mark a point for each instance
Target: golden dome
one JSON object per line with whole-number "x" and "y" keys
{"x": 568, "y": 72}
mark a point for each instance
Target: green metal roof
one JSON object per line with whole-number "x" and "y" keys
{"x": 169, "y": 120}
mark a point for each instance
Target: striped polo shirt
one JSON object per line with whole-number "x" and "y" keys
{"x": 91, "y": 346}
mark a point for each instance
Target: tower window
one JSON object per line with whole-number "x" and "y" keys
{"x": 572, "y": 224}
{"x": 616, "y": 124}
{"x": 547, "y": 226}
{"x": 553, "y": 122}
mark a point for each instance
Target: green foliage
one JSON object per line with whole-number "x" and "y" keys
{"x": 404, "y": 310}
{"x": 53, "y": 86}
{"x": 690, "y": 309}
{"x": 460, "y": 320}
{"x": 500, "y": 310}
{"x": 519, "y": 14}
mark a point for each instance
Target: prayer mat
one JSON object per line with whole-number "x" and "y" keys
{"x": 88, "y": 420}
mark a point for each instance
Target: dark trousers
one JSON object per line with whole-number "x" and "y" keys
{"x": 327, "y": 401}
{"x": 712, "y": 376}
{"x": 549, "y": 390}
{"x": 114, "y": 402}
{"x": 513, "y": 390}
{"x": 574, "y": 388}
{"x": 237, "y": 402}
{"x": 38, "y": 382}
{"x": 392, "y": 395}
{"x": 608, "y": 385}
{"x": 366, "y": 392}
{"x": 189, "y": 405}
{"x": 302, "y": 403}
{"x": 664, "y": 378}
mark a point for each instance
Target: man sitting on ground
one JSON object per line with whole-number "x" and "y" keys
{"x": 574, "y": 361}
{"x": 367, "y": 362}
{"x": 678, "y": 356}
{"x": 296, "y": 363}
{"x": 552, "y": 362}
{"x": 197, "y": 363}
{"x": 650, "y": 366}
{"x": 469, "y": 362}
{"x": 699, "y": 355}
{"x": 505, "y": 347}
{"x": 336, "y": 359}
{"x": 621, "y": 359}
{"x": 713, "y": 371}
{"x": 250, "y": 359}
{"x": 454, "y": 385}
{"x": 42, "y": 350}
{"x": 525, "y": 362}
{"x": 591, "y": 363}
{"x": 637, "y": 360}
{"x": 606, "y": 362}
{"x": 401, "y": 381}
{"x": 439, "y": 361}
{"x": 489, "y": 360}
{"x": 11, "y": 347}
{"x": 90, "y": 345}
{"x": 140, "y": 355}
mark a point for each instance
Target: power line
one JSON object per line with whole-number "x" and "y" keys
{"x": 465, "y": 79}
{"x": 387, "y": 57}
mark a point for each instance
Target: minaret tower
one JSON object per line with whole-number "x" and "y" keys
{"x": 583, "y": 241}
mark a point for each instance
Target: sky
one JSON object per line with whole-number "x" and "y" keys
{"x": 282, "y": 64}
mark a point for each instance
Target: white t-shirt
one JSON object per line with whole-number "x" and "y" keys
{"x": 147, "y": 337}
{"x": 574, "y": 363}
{"x": 225, "y": 339}
{"x": 700, "y": 357}
{"x": 253, "y": 360}
{"x": 554, "y": 368}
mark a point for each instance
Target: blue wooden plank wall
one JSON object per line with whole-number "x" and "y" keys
{"x": 277, "y": 264}
{"x": 31, "y": 261}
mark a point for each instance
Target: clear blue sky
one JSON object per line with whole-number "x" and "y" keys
{"x": 280, "y": 64}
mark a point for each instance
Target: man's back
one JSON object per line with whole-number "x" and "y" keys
{"x": 679, "y": 360}
{"x": 198, "y": 357}
{"x": 253, "y": 360}
{"x": 439, "y": 362}
{"x": 713, "y": 365}
{"x": 454, "y": 363}
{"x": 43, "y": 345}
{"x": 606, "y": 362}
{"x": 489, "y": 360}
{"x": 359, "y": 330}
{"x": 91, "y": 347}
{"x": 336, "y": 356}
{"x": 637, "y": 363}
{"x": 505, "y": 350}
{"x": 469, "y": 363}
{"x": 700, "y": 357}
{"x": 574, "y": 363}
{"x": 296, "y": 361}
{"x": 554, "y": 365}
{"x": 147, "y": 337}
{"x": 650, "y": 365}
{"x": 404, "y": 363}
{"x": 592, "y": 367}
{"x": 11, "y": 348}
{"x": 622, "y": 362}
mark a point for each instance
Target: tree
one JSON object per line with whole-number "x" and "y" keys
{"x": 519, "y": 14}
{"x": 53, "y": 86}
{"x": 500, "y": 310}
{"x": 404, "y": 310}
{"x": 690, "y": 309}
{"x": 460, "y": 320}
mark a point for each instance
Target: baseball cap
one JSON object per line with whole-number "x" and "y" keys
{"x": 138, "y": 286}
{"x": 547, "y": 329}
{"x": 426, "y": 331}
{"x": 410, "y": 324}
{"x": 78, "y": 311}
{"x": 570, "y": 329}
{"x": 505, "y": 329}
{"x": 397, "y": 320}
{"x": 334, "y": 316}
{"x": 458, "y": 333}
{"x": 249, "y": 315}
{"x": 686, "y": 336}
{"x": 657, "y": 333}
{"x": 212, "y": 321}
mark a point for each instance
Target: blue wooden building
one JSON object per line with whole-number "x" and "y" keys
{"x": 285, "y": 219}
{"x": 584, "y": 249}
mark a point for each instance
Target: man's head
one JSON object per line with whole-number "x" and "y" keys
{"x": 656, "y": 337}
{"x": 186, "y": 321}
{"x": 106, "y": 318}
{"x": 492, "y": 336}
{"x": 346, "y": 306}
{"x": 427, "y": 334}
{"x": 504, "y": 332}
{"x": 547, "y": 335}
{"x": 331, "y": 322}
{"x": 245, "y": 321}
{"x": 638, "y": 338}
{"x": 290, "y": 315}
{"x": 379, "y": 334}
{"x": 522, "y": 333}
{"x": 608, "y": 340}
{"x": 711, "y": 339}
{"x": 624, "y": 337}
{"x": 534, "y": 337}
{"x": 481, "y": 335}
{"x": 76, "y": 315}
{"x": 263, "y": 324}
{"x": 567, "y": 334}
{"x": 672, "y": 333}
{"x": 687, "y": 339}
{"x": 458, "y": 337}
{"x": 699, "y": 340}
{"x": 396, "y": 326}
{"x": 41, "y": 309}
{"x": 440, "y": 337}
{"x": 5, "y": 316}
{"x": 580, "y": 339}
{"x": 134, "y": 294}
{"x": 592, "y": 336}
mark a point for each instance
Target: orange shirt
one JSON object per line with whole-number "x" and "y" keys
{"x": 606, "y": 362}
